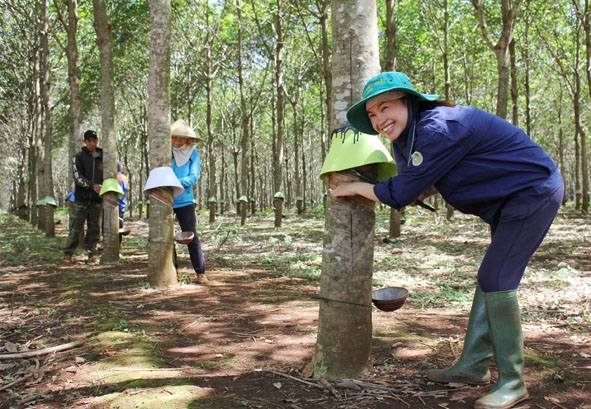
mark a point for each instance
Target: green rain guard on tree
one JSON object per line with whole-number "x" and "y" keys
{"x": 47, "y": 201}
{"x": 351, "y": 149}
{"x": 111, "y": 185}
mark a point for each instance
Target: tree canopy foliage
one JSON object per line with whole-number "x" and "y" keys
{"x": 232, "y": 102}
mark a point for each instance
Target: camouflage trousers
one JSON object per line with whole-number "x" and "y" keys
{"x": 80, "y": 214}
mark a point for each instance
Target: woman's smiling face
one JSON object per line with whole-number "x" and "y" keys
{"x": 388, "y": 114}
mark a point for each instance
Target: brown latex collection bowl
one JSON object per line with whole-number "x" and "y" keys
{"x": 124, "y": 231}
{"x": 389, "y": 298}
{"x": 184, "y": 237}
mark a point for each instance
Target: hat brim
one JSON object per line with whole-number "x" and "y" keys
{"x": 194, "y": 137}
{"x": 181, "y": 129}
{"x": 357, "y": 114}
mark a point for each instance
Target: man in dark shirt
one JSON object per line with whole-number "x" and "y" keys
{"x": 88, "y": 176}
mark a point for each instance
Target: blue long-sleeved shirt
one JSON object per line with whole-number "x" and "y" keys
{"x": 188, "y": 175}
{"x": 475, "y": 159}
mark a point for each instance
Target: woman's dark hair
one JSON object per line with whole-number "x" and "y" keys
{"x": 425, "y": 105}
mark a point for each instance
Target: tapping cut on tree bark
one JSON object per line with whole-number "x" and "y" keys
{"x": 343, "y": 347}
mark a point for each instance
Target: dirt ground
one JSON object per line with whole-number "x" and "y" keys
{"x": 245, "y": 339}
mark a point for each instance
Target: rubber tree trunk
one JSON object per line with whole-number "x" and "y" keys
{"x": 278, "y": 205}
{"x": 110, "y": 228}
{"x": 104, "y": 33}
{"x": 45, "y": 213}
{"x": 343, "y": 346}
{"x": 243, "y": 212}
{"x": 395, "y": 224}
{"x": 212, "y": 210}
{"x": 161, "y": 269}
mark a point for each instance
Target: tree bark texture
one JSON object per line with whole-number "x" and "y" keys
{"x": 75, "y": 109}
{"x": 278, "y": 205}
{"x": 46, "y": 220}
{"x": 343, "y": 347}
{"x": 355, "y": 54}
{"x": 212, "y": 210}
{"x": 278, "y": 159}
{"x": 510, "y": 12}
{"x": 104, "y": 34}
{"x": 395, "y": 224}
{"x": 161, "y": 270}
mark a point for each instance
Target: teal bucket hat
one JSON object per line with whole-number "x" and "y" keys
{"x": 384, "y": 82}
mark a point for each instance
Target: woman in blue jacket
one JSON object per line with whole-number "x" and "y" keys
{"x": 186, "y": 165}
{"x": 481, "y": 165}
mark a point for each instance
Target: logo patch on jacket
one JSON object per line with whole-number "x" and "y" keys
{"x": 417, "y": 158}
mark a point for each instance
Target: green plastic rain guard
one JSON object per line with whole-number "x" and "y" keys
{"x": 47, "y": 201}
{"x": 299, "y": 198}
{"x": 350, "y": 149}
{"x": 279, "y": 195}
{"x": 111, "y": 185}
{"x": 212, "y": 199}
{"x": 243, "y": 199}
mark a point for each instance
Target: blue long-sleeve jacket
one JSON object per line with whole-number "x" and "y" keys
{"x": 188, "y": 175}
{"x": 475, "y": 159}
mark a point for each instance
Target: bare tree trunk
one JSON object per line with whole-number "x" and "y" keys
{"x": 510, "y": 12}
{"x": 389, "y": 64}
{"x": 343, "y": 346}
{"x": 525, "y": 47}
{"x": 395, "y": 224}
{"x": 210, "y": 149}
{"x": 244, "y": 128}
{"x": 280, "y": 110}
{"x": 581, "y": 141}
{"x": 571, "y": 75}
{"x": 70, "y": 26}
{"x": 46, "y": 221}
{"x": 327, "y": 74}
{"x": 514, "y": 85}
{"x": 104, "y": 34}
{"x": 161, "y": 270}
{"x": 586, "y": 22}
{"x": 391, "y": 51}
{"x": 33, "y": 128}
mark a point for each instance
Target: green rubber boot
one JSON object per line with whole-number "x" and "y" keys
{"x": 472, "y": 367}
{"x": 504, "y": 322}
